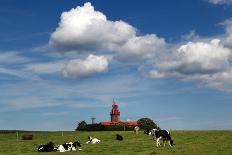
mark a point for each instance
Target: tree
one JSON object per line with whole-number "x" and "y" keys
{"x": 81, "y": 125}
{"x": 147, "y": 123}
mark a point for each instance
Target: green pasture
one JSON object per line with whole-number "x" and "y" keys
{"x": 186, "y": 142}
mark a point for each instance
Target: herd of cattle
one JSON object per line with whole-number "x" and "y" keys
{"x": 157, "y": 135}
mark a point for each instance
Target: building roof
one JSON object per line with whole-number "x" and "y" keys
{"x": 129, "y": 123}
{"x": 105, "y": 123}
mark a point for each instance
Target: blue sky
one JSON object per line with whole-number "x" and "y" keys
{"x": 64, "y": 61}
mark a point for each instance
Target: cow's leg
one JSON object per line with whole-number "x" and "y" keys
{"x": 154, "y": 138}
{"x": 164, "y": 142}
{"x": 158, "y": 142}
{"x": 169, "y": 142}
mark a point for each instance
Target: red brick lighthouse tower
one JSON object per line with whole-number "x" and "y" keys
{"x": 115, "y": 113}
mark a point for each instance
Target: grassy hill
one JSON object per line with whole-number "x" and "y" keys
{"x": 186, "y": 142}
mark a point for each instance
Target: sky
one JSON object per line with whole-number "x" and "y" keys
{"x": 62, "y": 62}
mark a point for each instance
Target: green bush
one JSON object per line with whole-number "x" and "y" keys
{"x": 99, "y": 127}
{"x": 147, "y": 123}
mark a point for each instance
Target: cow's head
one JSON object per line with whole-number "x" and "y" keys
{"x": 90, "y": 138}
{"x": 171, "y": 142}
{"x": 77, "y": 144}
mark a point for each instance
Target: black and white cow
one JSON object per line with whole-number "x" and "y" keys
{"x": 69, "y": 147}
{"x": 49, "y": 147}
{"x": 92, "y": 140}
{"x": 161, "y": 135}
{"x": 147, "y": 132}
{"x": 119, "y": 137}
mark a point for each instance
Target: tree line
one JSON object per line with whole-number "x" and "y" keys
{"x": 143, "y": 123}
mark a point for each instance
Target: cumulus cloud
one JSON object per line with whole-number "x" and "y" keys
{"x": 207, "y": 62}
{"x": 221, "y": 81}
{"x": 141, "y": 47}
{"x": 216, "y": 2}
{"x": 78, "y": 68}
{"x": 202, "y": 57}
{"x": 192, "y": 35}
{"x": 228, "y": 36}
{"x": 85, "y": 29}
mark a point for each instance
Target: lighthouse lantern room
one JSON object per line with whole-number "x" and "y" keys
{"x": 115, "y": 113}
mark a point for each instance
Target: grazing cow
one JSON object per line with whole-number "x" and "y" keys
{"x": 49, "y": 147}
{"x": 136, "y": 130}
{"x": 119, "y": 137}
{"x": 68, "y": 146}
{"x": 147, "y": 132}
{"x": 92, "y": 140}
{"x": 161, "y": 135}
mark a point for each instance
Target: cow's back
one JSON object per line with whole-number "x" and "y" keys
{"x": 162, "y": 133}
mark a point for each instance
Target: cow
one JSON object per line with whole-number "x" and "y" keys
{"x": 49, "y": 147}
{"x": 68, "y": 146}
{"x": 147, "y": 132}
{"x": 161, "y": 135}
{"x": 92, "y": 140}
{"x": 136, "y": 130}
{"x": 119, "y": 137}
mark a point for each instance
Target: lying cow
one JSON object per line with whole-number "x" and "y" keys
{"x": 49, "y": 147}
{"x": 161, "y": 135}
{"x": 119, "y": 137}
{"x": 92, "y": 140}
{"x": 68, "y": 146}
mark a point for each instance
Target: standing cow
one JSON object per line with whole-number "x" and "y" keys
{"x": 136, "y": 130}
{"x": 163, "y": 135}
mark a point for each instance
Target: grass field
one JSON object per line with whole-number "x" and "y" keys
{"x": 186, "y": 142}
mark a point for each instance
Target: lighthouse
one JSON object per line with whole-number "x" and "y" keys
{"x": 115, "y": 113}
{"x": 115, "y": 118}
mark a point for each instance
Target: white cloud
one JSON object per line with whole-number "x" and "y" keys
{"x": 192, "y": 35}
{"x": 228, "y": 37}
{"x": 11, "y": 57}
{"x": 207, "y": 62}
{"x": 197, "y": 58}
{"x": 221, "y": 81}
{"x": 84, "y": 29}
{"x": 202, "y": 57}
{"x": 27, "y": 103}
{"x": 19, "y": 73}
{"x": 46, "y": 68}
{"x": 216, "y": 2}
{"x": 78, "y": 68}
{"x": 55, "y": 93}
{"x": 143, "y": 47}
